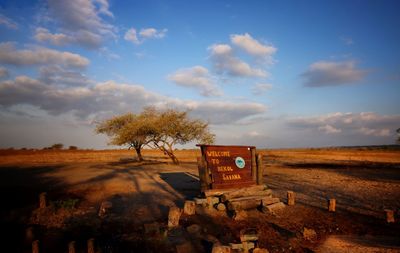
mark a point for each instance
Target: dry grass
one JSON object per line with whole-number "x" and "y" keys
{"x": 289, "y": 155}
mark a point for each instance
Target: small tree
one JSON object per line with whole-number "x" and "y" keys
{"x": 398, "y": 137}
{"x": 128, "y": 129}
{"x": 156, "y": 129}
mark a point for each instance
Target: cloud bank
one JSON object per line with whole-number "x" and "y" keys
{"x": 364, "y": 123}
{"x": 110, "y": 98}
{"x": 80, "y": 22}
{"x": 38, "y": 56}
{"x": 328, "y": 73}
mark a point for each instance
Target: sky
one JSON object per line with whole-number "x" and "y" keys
{"x": 274, "y": 74}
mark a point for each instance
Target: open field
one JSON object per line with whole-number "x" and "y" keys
{"x": 364, "y": 182}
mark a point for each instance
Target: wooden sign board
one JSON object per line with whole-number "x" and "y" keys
{"x": 229, "y": 166}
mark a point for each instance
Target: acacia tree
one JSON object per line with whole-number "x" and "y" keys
{"x": 175, "y": 127}
{"x": 159, "y": 129}
{"x": 128, "y": 129}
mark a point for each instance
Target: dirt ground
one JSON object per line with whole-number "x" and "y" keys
{"x": 363, "y": 181}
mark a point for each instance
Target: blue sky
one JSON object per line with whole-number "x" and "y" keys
{"x": 266, "y": 73}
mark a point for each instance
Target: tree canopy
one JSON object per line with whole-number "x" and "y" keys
{"x": 160, "y": 129}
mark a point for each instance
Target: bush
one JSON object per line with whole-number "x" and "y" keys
{"x": 57, "y": 146}
{"x": 73, "y": 148}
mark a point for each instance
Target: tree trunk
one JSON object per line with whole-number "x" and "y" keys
{"x": 171, "y": 155}
{"x": 139, "y": 153}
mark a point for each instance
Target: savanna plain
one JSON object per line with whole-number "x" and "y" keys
{"x": 364, "y": 181}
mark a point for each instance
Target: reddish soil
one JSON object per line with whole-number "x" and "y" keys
{"x": 364, "y": 183}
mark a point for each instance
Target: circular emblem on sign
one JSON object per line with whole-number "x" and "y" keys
{"x": 240, "y": 163}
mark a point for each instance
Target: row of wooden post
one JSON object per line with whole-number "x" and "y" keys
{"x": 71, "y": 246}
{"x": 332, "y": 206}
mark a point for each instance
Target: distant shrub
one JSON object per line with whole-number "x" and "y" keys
{"x": 73, "y": 148}
{"x": 57, "y": 146}
{"x": 66, "y": 204}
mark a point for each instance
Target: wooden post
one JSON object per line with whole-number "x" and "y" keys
{"x": 29, "y": 234}
{"x": 389, "y": 216}
{"x": 43, "y": 200}
{"x": 189, "y": 207}
{"x": 71, "y": 247}
{"x": 253, "y": 164}
{"x": 35, "y": 246}
{"x": 260, "y": 169}
{"x": 332, "y": 205}
{"x": 203, "y": 174}
{"x": 290, "y": 198}
{"x": 90, "y": 245}
{"x": 173, "y": 217}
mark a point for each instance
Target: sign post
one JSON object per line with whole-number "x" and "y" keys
{"x": 223, "y": 167}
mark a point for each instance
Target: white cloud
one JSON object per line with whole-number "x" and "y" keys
{"x": 328, "y": 129}
{"x": 3, "y": 72}
{"x": 261, "y": 88}
{"x": 10, "y": 24}
{"x": 110, "y": 98}
{"x": 225, "y": 62}
{"x": 149, "y": 33}
{"x": 349, "y": 124}
{"x": 131, "y": 36}
{"x": 146, "y": 33}
{"x": 79, "y": 22}
{"x": 197, "y": 77}
{"x": 328, "y": 73}
{"x": 374, "y": 132}
{"x": 39, "y": 55}
{"x": 59, "y": 39}
{"x": 56, "y": 75}
{"x": 253, "y": 46}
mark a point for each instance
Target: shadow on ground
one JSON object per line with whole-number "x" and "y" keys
{"x": 185, "y": 183}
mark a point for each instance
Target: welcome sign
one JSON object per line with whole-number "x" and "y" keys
{"x": 229, "y": 166}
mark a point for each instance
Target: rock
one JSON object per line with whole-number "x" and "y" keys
{"x": 173, "y": 217}
{"x": 221, "y": 207}
{"x": 245, "y": 192}
{"x": 269, "y": 201}
{"x": 211, "y": 201}
{"x": 200, "y": 201}
{"x": 218, "y": 248}
{"x": 105, "y": 208}
{"x": 247, "y": 235}
{"x": 260, "y": 250}
{"x": 309, "y": 234}
{"x": 189, "y": 207}
{"x": 248, "y": 246}
{"x": 151, "y": 228}
{"x": 194, "y": 229}
{"x": 273, "y": 208}
{"x": 185, "y": 247}
{"x": 236, "y": 246}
